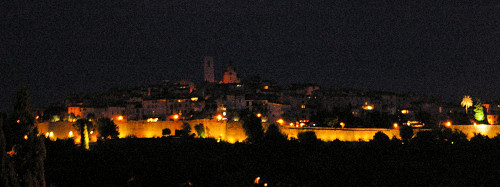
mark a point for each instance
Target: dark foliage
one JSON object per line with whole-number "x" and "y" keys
{"x": 25, "y": 164}
{"x": 273, "y": 135}
{"x": 252, "y": 126}
{"x": 381, "y": 138}
{"x": 166, "y": 132}
{"x": 107, "y": 128}
{"x": 308, "y": 137}
{"x": 406, "y": 133}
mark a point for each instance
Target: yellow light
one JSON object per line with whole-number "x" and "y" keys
{"x": 291, "y": 124}
{"x": 47, "y": 134}
{"x": 51, "y": 134}
{"x": 91, "y": 132}
{"x": 25, "y": 137}
{"x": 265, "y": 184}
{"x": 448, "y": 124}
{"x": 70, "y": 134}
{"x": 176, "y": 116}
{"x": 475, "y": 124}
{"x": 342, "y": 124}
{"x": 37, "y": 117}
{"x": 219, "y": 117}
{"x": 368, "y": 107}
{"x": 395, "y": 125}
{"x": 259, "y": 115}
{"x": 120, "y": 118}
{"x": 194, "y": 98}
{"x": 280, "y": 121}
{"x": 405, "y": 111}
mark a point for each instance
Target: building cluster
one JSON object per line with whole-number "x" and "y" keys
{"x": 297, "y": 104}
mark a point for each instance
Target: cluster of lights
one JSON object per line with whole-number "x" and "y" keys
{"x": 152, "y": 120}
{"x": 405, "y": 111}
{"x": 49, "y": 134}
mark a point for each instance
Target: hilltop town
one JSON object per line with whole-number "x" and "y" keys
{"x": 297, "y": 105}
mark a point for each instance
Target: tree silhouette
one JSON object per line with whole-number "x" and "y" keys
{"x": 107, "y": 128}
{"x": 466, "y": 102}
{"x": 274, "y": 135}
{"x": 28, "y": 149}
{"x": 406, "y": 133}
{"x": 166, "y": 131}
{"x": 381, "y": 137}
{"x": 308, "y": 137}
{"x": 252, "y": 125}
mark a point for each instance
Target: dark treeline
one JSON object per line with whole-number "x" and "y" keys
{"x": 427, "y": 159}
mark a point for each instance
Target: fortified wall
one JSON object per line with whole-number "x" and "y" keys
{"x": 233, "y": 132}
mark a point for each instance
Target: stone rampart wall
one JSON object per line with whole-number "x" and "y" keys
{"x": 233, "y": 131}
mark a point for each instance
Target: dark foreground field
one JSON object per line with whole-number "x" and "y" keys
{"x": 204, "y": 162}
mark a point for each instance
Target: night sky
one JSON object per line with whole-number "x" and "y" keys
{"x": 64, "y": 47}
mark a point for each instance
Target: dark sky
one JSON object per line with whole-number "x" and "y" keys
{"x": 62, "y": 47}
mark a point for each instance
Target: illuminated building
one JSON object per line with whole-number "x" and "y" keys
{"x": 230, "y": 76}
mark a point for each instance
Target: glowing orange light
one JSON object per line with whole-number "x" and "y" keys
{"x": 194, "y": 98}
{"x": 448, "y": 123}
{"x": 18, "y": 121}
{"x": 25, "y": 137}
{"x": 259, "y": 115}
{"x": 368, "y": 107}
{"x": 265, "y": 184}
{"x": 280, "y": 121}
{"x": 475, "y": 124}
{"x": 291, "y": 124}
{"x": 37, "y": 117}
{"x": 47, "y": 134}
{"x": 302, "y": 106}
{"x": 405, "y": 111}
{"x": 395, "y": 125}
{"x": 176, "y": 116}
{"x": 120, "y": 118}
{"x": 342, "y": 124}
{"x": 266, "y": 87}
{"x": 256, "y": 181}
{"x": 219, "y": 117}
{"x": 91, "y": 132}
{"x": 70, "y": 134}
{"x": 51, "y": 134}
